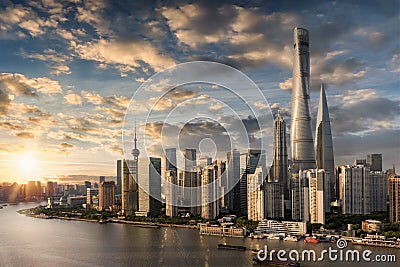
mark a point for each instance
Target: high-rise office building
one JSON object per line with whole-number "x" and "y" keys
{"x": 301, "y": 138}
{"x": 106, "y": 194}
{"x": 324, "y": 149}
{"x": 279, "y": 170}
{"x": 256, "y": 195}
{"x": 378, "y": 191}
{"x": 394, "y": 197}
{"x": 299, "y": 186}
{"x": 171, "y": 183}
{"x": 171, "y": 193}
{"x": 191, "y": 179}
{"x": 209, "y": 207}
{"x": 102, "y": 179}
{"x": 149, "y": 180}
{"x": 374, "y": 161}
{"x": 51, "y": 189}
{"x": 130, "y": 188}
{"x": 355, "y": 183}
{"x": 33, "y": 190}
{"x": 248, "y": 163}
{"x": 274, "y": 199}
{"x": 233, "y": 176}
{"x": 170, "y": 159}
{"x": 316, "y": 179}
{"x": 119, "y": 178}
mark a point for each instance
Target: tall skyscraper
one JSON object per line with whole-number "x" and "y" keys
{"x": 130, "y": 182}
{"x": 256, "y": 195}
{"x": 149, "y": 180}
{"x": 233, "y": 174}
{"x": 119, "y": 176}
{"x": 102, "y": 179}
{"x": 170, "y": 188}
{"x": 301, "y": 139}
{"x": 170, "y": 159}
{"x": 324, "y": 149}
{"x": 209, "y": 207}
{"x": 279, "y": 169}
{"x": 190, "y": 180}
{"x": 394, "y": 197}
{"x": 375, "y": 162}
{"x": 356, "y": 189}
{"x": 106, "y": 194}
{"x": 300, "y": 196}
{"x": 317, "y": 195}
{"x": 248, "y": 163}
{"x": 171, "y": 193}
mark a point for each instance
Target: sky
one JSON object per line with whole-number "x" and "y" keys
{"x": 68, "y": 71}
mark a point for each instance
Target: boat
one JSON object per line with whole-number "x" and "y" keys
{"x": 226, "y": 246}
{"x": 257, "y": 261}
{"x": 291, "y": 238}
{"x": 275, "y": 237}
{"x": 311, "y": 240}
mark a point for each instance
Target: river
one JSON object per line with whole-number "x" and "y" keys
{"x": 27, "y": 241}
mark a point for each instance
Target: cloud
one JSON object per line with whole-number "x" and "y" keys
{"x": 363, "y": 110}
{"x": 5, "y": 102}
{"x": 73, "y": 99}
{"x": 127, "y": 55}
{"x": 17, "y": 17}
{"x": 65, "y": 145}
{"x": 21, "y": 85}
{"x": 25, "y": 135}
{"x": 56, "y": 61}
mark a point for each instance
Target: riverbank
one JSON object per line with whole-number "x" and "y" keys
{"x": 27, "y": 212}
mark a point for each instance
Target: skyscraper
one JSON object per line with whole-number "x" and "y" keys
{"x": 130, "y": 182}
{"x": 170, "y": 159}
{"x": 233, "y": 174}
{"x": 256, "y": 195}
{"x": 248, "y": 163}
{"x": 394, "y": 197}
{"x": 279, "y": 170}
{"x": 317, "y": 193}
{"x": 149, "y": 180}
{"x": 170, "y": 188}
{"x": 190, "y": 180}
{"x": 210, "y": 207}
{"x": 324, "y": 149}
{"x": 356, "y": 189}
{"x": 106, "y": 195}
{"x": 374, "y": 161}
{"x": 301, "y": 139}
{"x": 119, "y": 176}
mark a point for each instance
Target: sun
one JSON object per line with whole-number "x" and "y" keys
{"x": 27, "y": 162}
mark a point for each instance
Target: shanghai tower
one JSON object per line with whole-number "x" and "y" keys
{"x": 301, "y": 139}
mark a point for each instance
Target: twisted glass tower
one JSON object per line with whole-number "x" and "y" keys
{"x": 301, "y": 139}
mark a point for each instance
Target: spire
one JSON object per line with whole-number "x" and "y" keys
{"x": 323, "y": 113}
{"x": 135, "y": 139}
{"x": 135, "y": 151}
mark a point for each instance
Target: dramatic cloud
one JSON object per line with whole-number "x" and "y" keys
{"x": 126, "y": 55}
{"x": 73, "y": 99}
{"x": 21, "y": 85}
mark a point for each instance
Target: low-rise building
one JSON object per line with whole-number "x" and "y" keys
{"x": 372, "y": 226}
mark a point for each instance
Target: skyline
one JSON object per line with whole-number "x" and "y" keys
{"x": 77, "y": 66}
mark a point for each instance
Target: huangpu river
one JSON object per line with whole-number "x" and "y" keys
{"x": 27, "y": 241}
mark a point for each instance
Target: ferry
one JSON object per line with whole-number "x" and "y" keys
{"x": 225, "y": 246}
{"x": 268, "y": 262}
{"x": 311, "y": 240}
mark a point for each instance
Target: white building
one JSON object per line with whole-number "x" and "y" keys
{"x": 256, "y": 195}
